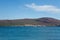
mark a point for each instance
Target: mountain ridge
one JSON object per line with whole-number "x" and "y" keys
{"x": 47, "y": 21}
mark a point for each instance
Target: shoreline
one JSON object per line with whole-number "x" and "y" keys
{"x": 23, "y": 25}
{"x": 31, "y": 25}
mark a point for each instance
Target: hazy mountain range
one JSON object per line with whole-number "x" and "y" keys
{"x": 39, "y": 21}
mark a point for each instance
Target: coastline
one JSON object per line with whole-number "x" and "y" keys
{"x": 30, "y": 25}
{"x": 24, "y": 25}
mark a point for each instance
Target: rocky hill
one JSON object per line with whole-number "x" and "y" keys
{"x": 39, "y": 21}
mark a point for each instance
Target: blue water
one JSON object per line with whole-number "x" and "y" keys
{"x": 29, "y": 33}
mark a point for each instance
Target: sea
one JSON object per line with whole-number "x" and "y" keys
{"x": 29, "y": 33}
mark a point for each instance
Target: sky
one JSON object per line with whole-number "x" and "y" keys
{"x": 20, "y": 9}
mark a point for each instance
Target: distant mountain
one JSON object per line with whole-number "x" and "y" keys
{"x": 39, "y": 21}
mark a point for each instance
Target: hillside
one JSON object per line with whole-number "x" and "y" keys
{"x": 39, "y": 21}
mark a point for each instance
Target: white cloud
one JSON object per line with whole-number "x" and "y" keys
{"x": 46, "y": 8}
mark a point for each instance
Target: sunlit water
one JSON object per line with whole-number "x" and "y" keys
{"x": 29, "y": 33}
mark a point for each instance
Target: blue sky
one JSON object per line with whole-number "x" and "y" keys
{"x": 19, "y": 9}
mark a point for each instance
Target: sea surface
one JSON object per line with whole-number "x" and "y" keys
{"x": 29, "y": 33}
